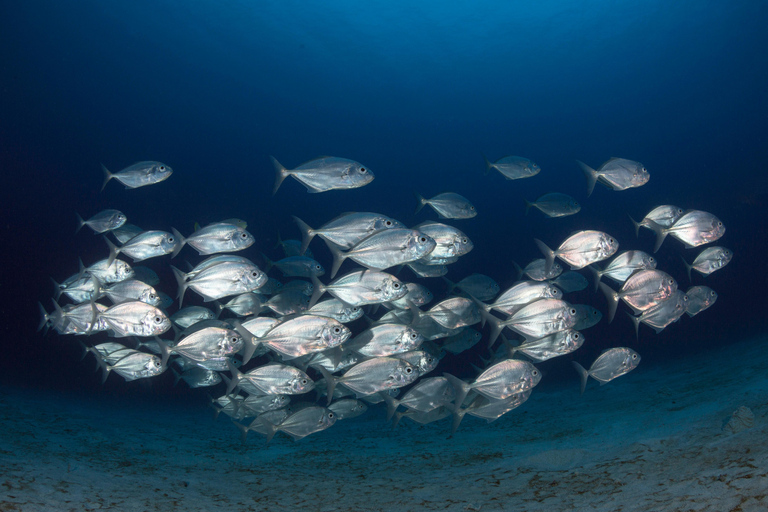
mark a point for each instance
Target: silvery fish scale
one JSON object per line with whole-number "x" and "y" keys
{"x": 697, "y": 228}
{"x": 646, "y": 288}
{"x": 135, "y": 318}
{"x": 367, "y": 287}
{"x": 523, "y": 294}
{"x": 149, "y": 244}
{"x": 541, "y": 318}
{"x": 379, "y": 374}
{"x": 211, "y": 343}
{"x": 220, "y": 237}
{"x": 391, "y": 247}
{"x": 228, "y": 278}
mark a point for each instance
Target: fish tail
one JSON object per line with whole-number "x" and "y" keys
{"x": 528, "y": 205}
{"x": 180, "y": 241}
{"x": 458, "y": 416}
{"x": 317, "y": 292}
{"x": 268, "y": 263}
{"x": 113, "y": 251}
{"x": 396, "y": 419}
{"x": 181, "y": 280}
{"x": 85, "y": 349}
{"x": 271, "y": 428}
{"x": 451, "y": 284}
{"x": 338, "y": 257}
{"x": 43, "y": 318}
{"x": 392, "y": 404}
{"x": 107, "y": 176}
{"x": 612, "y": 298}
{"x": 80, "y": 223}
{"x": 307, "y": 234}
{"x": 280, "y": 174}
{"x": 636, "y": 322}
{"x": 636, "y": 224}
{"x": 461, "y": 388}
{"x": 590, "y": 174}
{"x": 488, "y": 166}
{"x": 165, "y": 351}
{"x": 687, "y": 268}
{"x": 421, "y": 202}
{"x": 518, "y": 270}
{"x": 583, "y": 375}
{"x": 243, "y": 430}
{"x": 250, "y": 342}
{"x": 597, "y": 273}
{"x": 548, "y": 253}
{"x": 496, "y": 328}
{"x": 330, "y": 382}
{"x": 235, "y": 380}
{"x": 58, "y": 289}
{"x": 661, "y": 234}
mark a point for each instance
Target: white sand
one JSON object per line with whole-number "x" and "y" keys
{"x": 649, "y": 441}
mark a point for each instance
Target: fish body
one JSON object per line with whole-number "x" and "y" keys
{"x": 362, "y": 287}
{"x": 699, "y": 299}
{"x": 110, "y": 272}
{"x": 642, "y": 290}
{"x": 422, "y": 269}
{"x": 273, "y": 379}
{"x": 305, "y": 334}
{"x": 126, "y": 232}
{"x": 148, "y": 244}
{"x": 325, "y": 173}
{"x": 663, "y": 314}
{"x": 418, "y": 295}
{"x": 216, "y": 238}
{"x": 542, "y": 318}
{"x": 374, "y": 375}
{"x": 664, "y": 215}
{"x": 616, "y": 174}
{"x": 105, "y": 220}
{"x": 513, "y": 167}
{"x": 427, "y": 395}
{"x": 245, "y": 304}
{"x": 302, "y": 423}
{"x": 586, "y": 316}
{"x": 624, "y": 265}
{"x": 449, "y": 242}
{"x": 522, "y": 294}
{"x": 385, "y": 340}
{"x": 581, "y": 249}
{"x": 462, "y": 341}
{"x": 709, "y": 260}
{"x": 448, "y": 205}
{"x": 570, "y": 282}
{"x": 499, "y": 381}
{"x": 297, "y": 266}
{"x": 693, "y": 228}
{"x": 554, "y": 204}
{"x": 478, "y": 286}
{"x": 554, "y": 345}
{"x": 348, "y": 229}
{"x": 334, "y": 308}
{"x": 221, "y": 280}
{"x": 132, "y": 289}
{"x": 135, "y": 318}
{"x": 136, "y": 365}
{"x": 139, "y": 174}
{"x": 537, "y": 270}
{"x": 191, "y": 315}
{"x": 347, "y": 408}
{"x": 609, "y": 365}
{"x": 211, "y": 343}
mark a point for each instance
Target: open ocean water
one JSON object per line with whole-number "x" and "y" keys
{"x": 418, "y": 92}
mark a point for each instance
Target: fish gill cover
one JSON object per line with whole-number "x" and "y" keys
{"x": 435, "y": 99}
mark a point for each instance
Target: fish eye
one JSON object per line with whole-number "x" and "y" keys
{"x": 611, "y": 240}
{"x": 162, "y": 167}
{"x": 158, "y": 320}
{"x": 719, "y": 223}
{"x": 422, "y": 239}
{"x": 634, "y": 356}
{"x": 576, "y": 336}
{"x": 336, "y": 330}
{"x": 170, "y": 240}
{"x": 330, "y": 415}
{"x": 254, "y": 274}
{"x": 471, "y": 207}
{"x": 396, "y": 286}
{"x": 243, "y": 235}
{"x": 573, "y": 311}
{"x": 535, "y": 373}
{"x": 355, "y": 309}
{"x": 409, "y": 370}
{"x": 465, "y": 240}
{"x": 234, "y": 339}
{"x": 387, "y": 222}
{"x": 679, "y": 210}
{"x": 671, "y": 282}
{"x": 651, "y": 260}
{"x": 304, "y": 382}
{"x": 414, "y": 335}
{"x": 363, "y": 170}
{"x": 318, "y": 267}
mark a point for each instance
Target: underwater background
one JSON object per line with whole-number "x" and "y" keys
{"x": 419, "y": 92}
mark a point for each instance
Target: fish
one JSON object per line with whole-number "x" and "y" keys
{"x": 642, "y": 290}
{"x": 663, "y": 314}
{"x": 699, "y": 299}
{"x": 611, "y": 364}
{"x": 478, "y": 286}
{"x": 548, "y": 347}
{"x": 425, "y": 396}
{"x": 139, "y": 174}
{"x": 296, "y": 266}
{"x": 132, "y": 289}
{"x": 693, "y": 228}
{"x": 372, "y": 376}
{"x": 623, "y": 266}
{"x": 499, "y": 381}
{"x": 709, "y": 260}
{"x": 417, "y": 294}
{"x": 539, "y": 319}
{"x": 488, "y": 408}
{"x": 134, "y": 318}
{"x": 616, "y": 174}
{"x": 570, "y": 282}
{"x": 422, "y": 269}
{"x": 385, "y": 340}
{"x": 449, "y": 242}
{"x": 288, "y": 302}
{"x": 126, "y": 232}
{"x": 109, "y": 272}
{"x": 302, "y": 423}
{"x": 586, "y": 316}
{"x": 221, "y": 280}
{"x": 271, "y": 379}
{"x": 347, "y": 230}
{"x": 554, "y": 204}
{"x": 216, "y": 238}
{"x": 148, "y": 244}
{"x": 245, "y": 304}
{"x": 522, "y": 294}
{"x": 462, "y": 341}
{"x": 347, "y": 408}
{"x": 580, "y": 249}
{"x": 105, "y": 220}
{"x": 324, "y": 173}
{"x": 304, "y": 334}
{"x": 664, "y": 215}
{"x": 197, "y": 377}
{"x": 537, "y": 270}
{"x": 209, "y": 344}
{"x": 513, "y": 167}
{"x": 385, "y": 249}
{"x": 334, "y": 308}
{"x": 134, "y": 365}
{"x": 448, "y": 205}
{"x": 191, "y": 315}
{"x": 422, "y": 360}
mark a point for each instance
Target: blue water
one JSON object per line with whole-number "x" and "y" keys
{"x": 416, "y": 92}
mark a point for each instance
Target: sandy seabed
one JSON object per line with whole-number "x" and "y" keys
{"x": 650, "y": 441}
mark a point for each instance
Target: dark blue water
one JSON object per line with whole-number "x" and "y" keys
{"x": 416, "y": 92}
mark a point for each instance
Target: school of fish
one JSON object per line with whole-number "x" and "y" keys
{"x": 296, "y": 351}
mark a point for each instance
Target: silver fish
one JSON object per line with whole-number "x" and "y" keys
{"x": 199, "y": 377}
{"x": 425, "y": 396}
{"x": 422, "y": 360}
{"x": 325, "y": 173}
{"x": 612, "y": 363}
{"x": 709, "y": 260}
{"x": 643, "y": 290}
{"x": 146, "y": 275}
{"x": 513, "y": 167}
{"x": 586, "y": 316}
{"x": 228, "y": 278}
{"x": 288, "y": 302}
{"x": 245, "y": 304}
{"x": 454, "y": 312}
{"x": 272, "y": 379}
{"x": 348, "y": 229}
{"x": 624, "y": 265}
{"x": 385, "y": 340}
{"x": 126, "y": 232}
{"x": 132, "y": 289}
{"x": 522, "y": 294}
{"x": 104, "y": 221}
{"x": 664, "y": 215}
{"x": 347, "y": 408}
{"x": 694, "y": 228}
{"x": 334, "y": 308}
{"x": 539, "y": 319}
{"x": 699, "y": 299}
{"x": 616, "y": 174}
{"x": 448, "y": 205}
{"x": 422, "y": 269}
{"x": 135, "y": 365}
{"x": 554, "y": 345}
{"x": 449, "y": 241}
{"x": 537, "y": 270}
{"x": 385, "y": 249}
{"x": 554, "y": 204}
{"x": 139, "y": 174}
{"x": 373, "y": 375}
{"x": 211, "y": 343}
{"x": 303, "y": 423}
{"x": 148, "y": 244}
{"x": 462, "y": 341}
{"x": 135, "y": 318}
{"x": 580, "y": 249}
{"x": 488, "y": 408}
{"x": 216, "y": 238}
{"x": 663, "y": 314}
{"x": 305, "y": 334}
{"x": 191, "y": 315}
{"x": 107, "y": 272}
{"x": 499, "y": 381}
